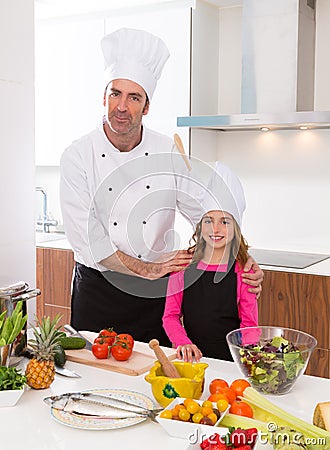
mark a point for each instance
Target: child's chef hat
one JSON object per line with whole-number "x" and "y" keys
{"x": 225, "y": 192}
{"x": 134, "y": 55}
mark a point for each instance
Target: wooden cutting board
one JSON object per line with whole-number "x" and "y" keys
{"x": 141, "y": 360}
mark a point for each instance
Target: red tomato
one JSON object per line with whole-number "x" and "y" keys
{"x": 109, "y": 334}
{"x": 127, "y": 338}
{"x": 121, "y": 351}
{"x": 231, "y": 396}
{"x": 241, "y": 409}
{"x": 101, "y": 350}
{"x": 238, "y": 386}
{"x": 217, "y": 384}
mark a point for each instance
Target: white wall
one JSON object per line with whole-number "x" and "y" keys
{"x": 17, "y": 251}
{"x": 59, "y": 121}
{"x": 286, "y": 174}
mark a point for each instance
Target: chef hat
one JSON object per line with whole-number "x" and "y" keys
{"x": 225, "y": 192}
{"x": 134, "y": 55}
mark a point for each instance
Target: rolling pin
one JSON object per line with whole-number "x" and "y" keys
{"x": 169, "y": 369}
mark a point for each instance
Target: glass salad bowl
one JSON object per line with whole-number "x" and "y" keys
{"x": 271, "y": 358}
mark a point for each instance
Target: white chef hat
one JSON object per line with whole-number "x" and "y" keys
{"x": 224, "y": 192}
{"x": 135, "y": 55}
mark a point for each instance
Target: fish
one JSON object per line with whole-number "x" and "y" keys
{"x": 97, "y": 405}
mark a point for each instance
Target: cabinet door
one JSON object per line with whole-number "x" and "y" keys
{"x": 54, "y": 275}
{"x": 302, "y": 302}
{"x": 68, "y": 84}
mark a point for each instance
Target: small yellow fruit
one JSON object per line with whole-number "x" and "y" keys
{"x": 184, "y": 415}
{"x": 206, "y": 410}
{"x": 196, "y": 418}
{"x": 207, "y": 403}
{"x": 166, "y": 414}
{"x": 222, "y": 405}
{"x": 213, "y": 417}
{"x": 193, "y": 407}
{"x": 187, "y": 401}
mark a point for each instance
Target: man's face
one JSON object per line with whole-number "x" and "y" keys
{"x": 126, "y": 104}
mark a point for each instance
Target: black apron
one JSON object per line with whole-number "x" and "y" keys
{"x": 210, "y": 310}
{"x": 110, "y": 299}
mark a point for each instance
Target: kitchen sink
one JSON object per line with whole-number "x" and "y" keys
{"x": 48, "y": 237}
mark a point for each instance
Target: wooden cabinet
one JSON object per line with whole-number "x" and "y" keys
{"x": 54, "y": 275}
{"x": 300, "y": 301}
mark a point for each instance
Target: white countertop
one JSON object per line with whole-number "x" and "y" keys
{"x": 29, "y": 424}
{"x": 322, "y": 268}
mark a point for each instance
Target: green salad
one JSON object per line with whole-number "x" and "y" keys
{"x": 273, "y": 366}
{"x": 11, "y": 379}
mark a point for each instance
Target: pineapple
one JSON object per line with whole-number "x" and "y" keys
{"x": 40, "y": 371}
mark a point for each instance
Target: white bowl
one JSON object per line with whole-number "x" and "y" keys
{"x": 10, "y": 398}
{"x": 193, "y": 432}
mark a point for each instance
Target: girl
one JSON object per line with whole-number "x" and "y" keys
{"x": 208, "y": 299}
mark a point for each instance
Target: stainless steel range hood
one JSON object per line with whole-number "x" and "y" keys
{"x": 278, "y": 54}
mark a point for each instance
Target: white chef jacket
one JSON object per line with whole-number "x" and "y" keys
{"x": 125, "y": 201}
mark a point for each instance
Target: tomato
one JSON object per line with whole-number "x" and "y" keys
{"x": 241, "y": 409}
{"x": 127, "y": 338}
{"x": 101, "y": 350}
{"x": 109, "y": 334}
{"x": 216, "y": 384}
{"x": 121, "y": 351}
{"x": 238, "y": 386}
{"x": 216, "y": 397}
{"x": 223, "y": 393}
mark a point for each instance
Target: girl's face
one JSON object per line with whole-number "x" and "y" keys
{"x": 217, "y": 228}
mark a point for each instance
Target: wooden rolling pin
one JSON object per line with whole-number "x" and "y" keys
{"x": 169, "y": 369}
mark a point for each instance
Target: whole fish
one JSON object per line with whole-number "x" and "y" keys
{"x": 96, "y": 405}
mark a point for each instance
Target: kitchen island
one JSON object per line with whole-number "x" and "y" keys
{"x": 30, "y": 426}
{"x": 291, "y": 297}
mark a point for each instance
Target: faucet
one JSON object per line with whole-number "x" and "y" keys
{"x": 45, "y": 220}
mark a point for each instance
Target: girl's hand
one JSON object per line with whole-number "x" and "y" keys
{"x": 188, "y": 352}
{"x": 254, "y": 278}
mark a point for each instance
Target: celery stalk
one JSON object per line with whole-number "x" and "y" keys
{"x": 266, "y": 410}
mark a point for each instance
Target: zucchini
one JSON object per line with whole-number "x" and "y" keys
{"x": 59, "y": 357}
{"x": 72, "y": 343}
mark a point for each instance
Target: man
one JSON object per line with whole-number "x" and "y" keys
{"x": 120, "y": 187}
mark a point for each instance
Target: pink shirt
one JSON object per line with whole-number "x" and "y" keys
{"x": 246, "y": 303}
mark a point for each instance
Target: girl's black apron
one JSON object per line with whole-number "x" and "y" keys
{"x": 209, "y": 309}
{"x": 110, "y": 299}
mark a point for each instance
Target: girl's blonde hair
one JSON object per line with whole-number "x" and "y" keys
{"x": 238, "y": 250}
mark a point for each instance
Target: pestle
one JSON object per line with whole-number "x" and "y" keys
{"x": 169, "y": 369}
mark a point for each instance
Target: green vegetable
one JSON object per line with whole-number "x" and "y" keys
{"x": 11, "y": 379}
{"x": 59, "y": 357}
{"x": 72, "y": 343}
{"x": 274, "y": 366}
{"x": 266, "y": 411}
{"x": 11, "y": 326}
{"x": 286, "y": 438}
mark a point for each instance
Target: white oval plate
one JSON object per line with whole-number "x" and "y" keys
{"x": 92, "y": 423}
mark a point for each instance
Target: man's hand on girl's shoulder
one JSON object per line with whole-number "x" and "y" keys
{"x": 254, "y": 278}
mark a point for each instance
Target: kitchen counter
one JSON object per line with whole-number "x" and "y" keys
{"x": 30, "y": 426}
